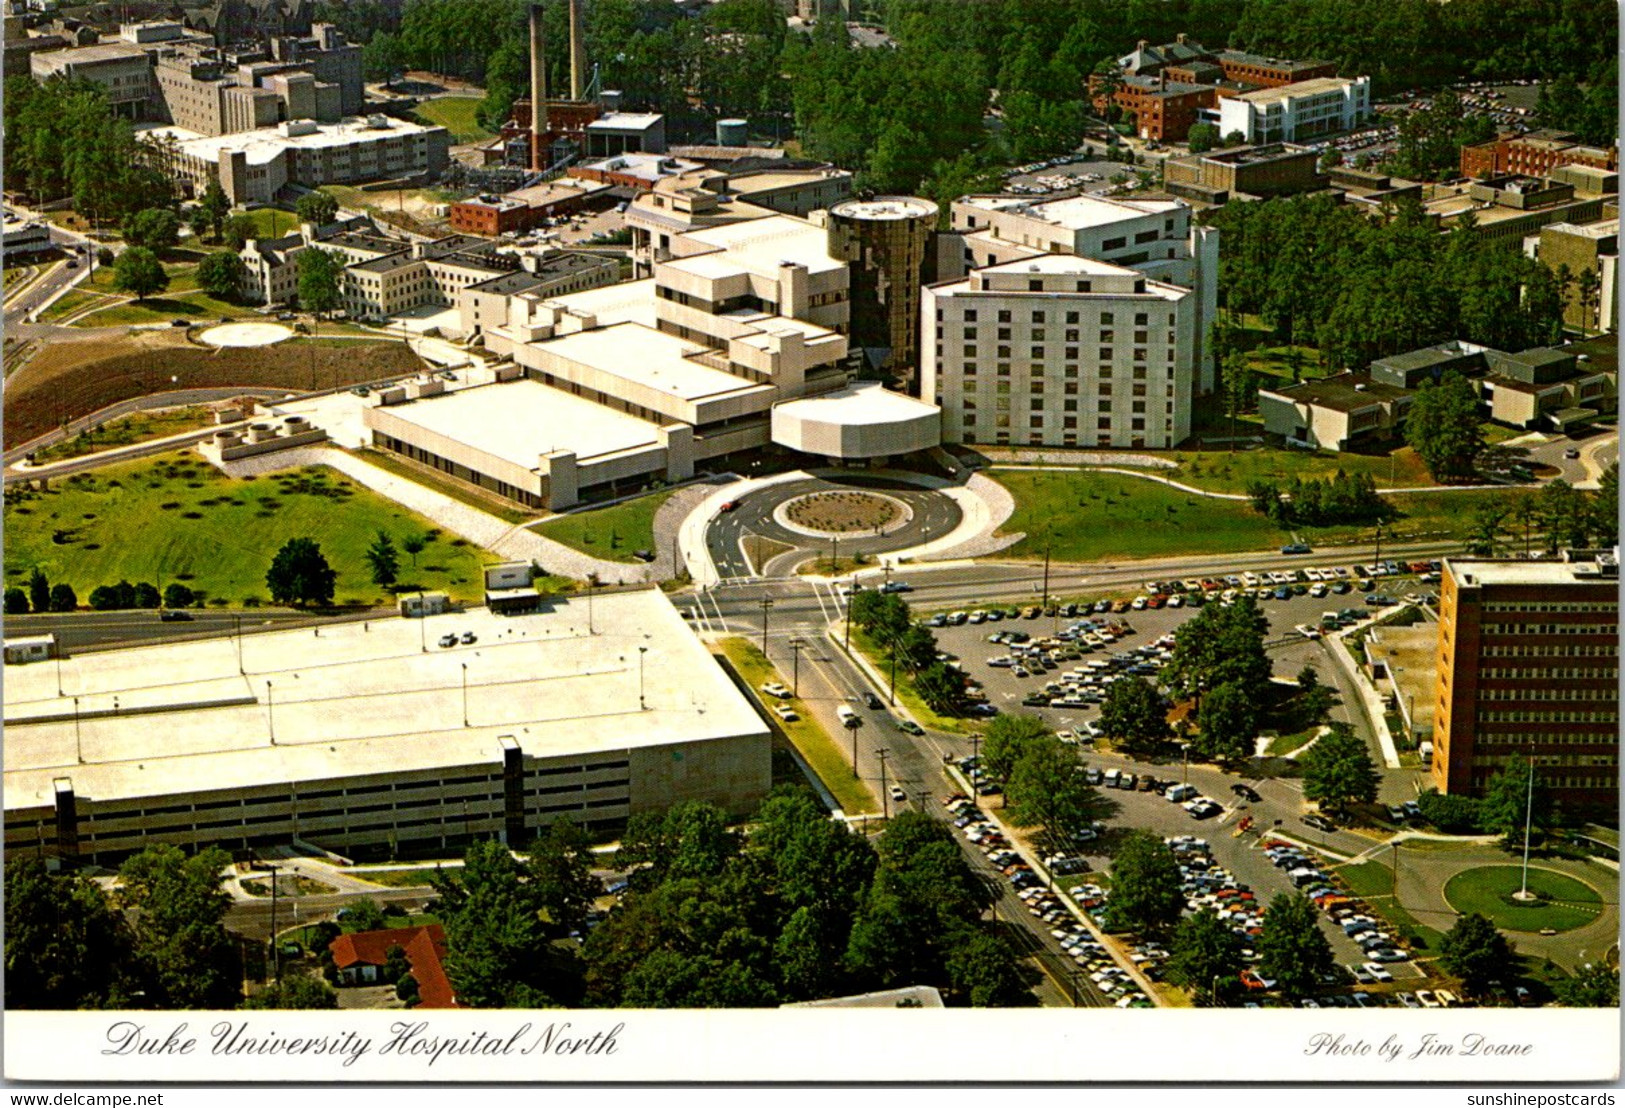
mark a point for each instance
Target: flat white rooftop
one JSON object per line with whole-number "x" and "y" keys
{"x": 1518, "y": 572}
{"x": 631, "y": 302}
{"x": 862, "y": 404}
{"x": 651, "y": 358}
{"x": 366, "y": 699}
{"x": 760, "y": 246}
{"x": 267, "y": 143}
{"x": 1077, "y": 212}
{"x": 885, "y": 207}
{"x": 625, "y": 121}
{"x": 1312, "y": 87}
{"x": 1059, "y": 263}
{"x": 520, "y": 420}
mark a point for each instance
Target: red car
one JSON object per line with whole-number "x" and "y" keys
{"x": 728, "y": 505}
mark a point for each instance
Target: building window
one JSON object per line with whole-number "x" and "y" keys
{"x": 1004, "y": 351}
{"x": 970, "y": 350}
{"x": 1038, "y": 334}
{"x": 1004, "y": 316}
{"x": 1105, "y": 388}
{"x": 1038, "y": 317}
{"x": 1035, "y": 387}
{"x": 1038, "y": 353}
{"x": 970, "y": 332}
{"x": 1105, "y": 353}
{"x": 1072, "y": 353}
{"x": 1035, "y": 285}
{"x": 1104, "y": 423}
{"x": 1140, "y": 319}
{"x": 1106, "y": 319}
{"x": 970, "y": 316}
{"x": 1108, "y": 336}
{"x": 1002, "y": 369}
{"x": 1070, "y": 388}
{"x": 1071, "y": 317}
{"x": 1004, "y": 333}
{"x": 1069, "y": 405}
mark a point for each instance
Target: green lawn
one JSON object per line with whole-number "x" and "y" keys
{"x": 270, "y": 223}
{"x": 395, "y": 878}
{"x": 1564, "y": 905}
{"x": 611, "y": 533}
{"x": 131, "y": 521}
{"x": 832, "y": 766}
{"x": 1368, "y": 879}
{"x": 69, "y": 302}
{"x": 126, "y": 431}
{"x": 455, "y": 114}
{"x": 182, "y": 278}
{"x": 1099, "y": 516}
{"x": 196, "y": 306}
{"x": 1224, "y": 471}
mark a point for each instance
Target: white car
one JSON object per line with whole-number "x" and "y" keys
{"x": 1307, "y": 631}
{"x": 774, "y": 688}
{"x": 1377, "y": 971}
{"x": 785, "y": 712}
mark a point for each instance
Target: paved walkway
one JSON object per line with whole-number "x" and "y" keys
{"x": 512, "y": 542}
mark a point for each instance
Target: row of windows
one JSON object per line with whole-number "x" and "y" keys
{"x": 1564, "y": 780}
{"x": 1551, "y": 628}
{"x": 1529, "y": 715}
{"x": 1520, "y": 740}
{"x": 1041, "y": 315}
{"x": 1547, "y": 673}
{"x": 1547, "y": 650}
{"x": 1521, "y": 607}
{"x": 1037, "y": 369}
{"x": 1611, "y": 694}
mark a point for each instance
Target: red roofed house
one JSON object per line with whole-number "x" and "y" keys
{"x": 360, "y": 959}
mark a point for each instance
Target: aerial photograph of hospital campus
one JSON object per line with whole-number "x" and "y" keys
{"x": 780, "y": 503}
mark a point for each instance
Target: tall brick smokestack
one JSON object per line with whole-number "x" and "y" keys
{"x": 578, "y": 53}
{"x": 538, "y": 91}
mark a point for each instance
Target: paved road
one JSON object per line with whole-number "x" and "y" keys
{"x": 175, "y": 399}
{"x": 253, "y": 918}
{"x": 933, "y": 514}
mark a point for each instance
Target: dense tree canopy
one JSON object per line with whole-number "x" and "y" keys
{"x": 1223, "y": 644}
{"x": 1444, "y": 427}
{"x": 1145, "y": 886}
{"x": 1203, "y": 951}
{"x": 299, "y": 574}
{"x": 1474, "y": 951}
{"x": 1292, "y": 948}
{"x": 179, "y": 909}
{"x": 66, "y": 948}
{"x": 1133, "y": 714}
{"x": 1338, "y": 771}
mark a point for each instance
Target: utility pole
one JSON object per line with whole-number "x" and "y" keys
{"x": 1045, "y": 603}
{"x": 767, "y": 602}
{"x": 795, "y": 666}
{"x": 850, "y": 593}
{"x": 591, "y": 587}
{"x": 642, "y": 704}
{"x": 896, "y": 645}
{"x": 276, "y": 951}
{"x": 885, "y": 797}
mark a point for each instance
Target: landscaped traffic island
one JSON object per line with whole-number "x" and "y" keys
{"x": 1561, "y": 903}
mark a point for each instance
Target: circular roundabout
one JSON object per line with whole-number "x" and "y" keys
{"x": 1557, "y": 902}
{"x": 854, "y": 514}
{"x": 245, "y": 334}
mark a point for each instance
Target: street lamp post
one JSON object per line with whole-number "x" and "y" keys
{"x": 795, "y": 666}
{"x": 975, "y": 745}
{"x": 642, "y": 704}
{"x": 78, "y": 744}
{"x": 767, "y": 602}
{"x": 270, "y": 713}
{"x": 851, "y": 592}
{"x": 885, "y": 797}
{"x": 592, "y": 586}
{"x": 59, "y": 691}
{"x": 465, "y": 694}
{"x": 276, "y": 951}
{"x": 1185, "y": 763}
{"x": 237, "y": 620}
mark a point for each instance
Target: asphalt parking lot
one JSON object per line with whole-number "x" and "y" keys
{"x": 1288, "y": 650}
{"x": 1075, "y": 174}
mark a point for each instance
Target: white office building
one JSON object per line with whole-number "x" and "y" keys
{"x": 1299, "y": 111}
{"x": 1060, "y": 350}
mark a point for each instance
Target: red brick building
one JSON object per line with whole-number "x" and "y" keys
{"x": 360, "y": 959}
{"x": 1162, "y": 110}
{"x": 1533, "y": 155}
{"x": 1529, "y": 666}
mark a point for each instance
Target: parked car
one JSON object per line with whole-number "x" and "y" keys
{"x": 776, "y": 688}
{"x": 1320, "y": 823}
{"x": 448, "y": 640}
{"x": 785, "y": 712}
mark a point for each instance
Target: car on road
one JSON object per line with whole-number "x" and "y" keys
{"x": 897, "y": 586}
{"x": 1307, "y": 631}
{"x": 871, "y": 701}
{"x": 785, "y": 712}
{"x": 1296, "y": 548}
{"x": 909, "y": 727}
{"x": 180, "y": 323}
{"x": 1246, "y": 792}
{"x": 897, "y": 793}
{"x": 1571, "y": 453}
{"x": 728, "y": 506}
{"x": 776, "y": 688}
{"x": 1320, "y": 823}
{"x": 170, "y": 615}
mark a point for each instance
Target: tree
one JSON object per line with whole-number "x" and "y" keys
{"x": 177, "y": 595}
{"x": 559, "y": 867}
{"x": 1292, "y": 949}
{"x": 317, "y": 207}
{"x": 214, "y": 205}
{"x": 1204, "y": 949}
{"x": 299, "y": 574}
{"x": 1007, "y": 738}
{"x": 1145, "y": 886}
{"x": 238, "y": 230}
{"x": 1133, "y": 715}
{"x": 198, "y": 220}
{"x": 156, "y": 229}
{"x": 413, "y": 545}
{"x": 384, "y": 58}
{"x": 1474, "y": 951}
{"x": 318, "y": 280}
{"x": 384, "y": 561}
{"x": 942, "y": 689}
{"x": 138, "y": 271}
{"x": 1228, "y": 724}
{"x": 295, "y": 991}
{"x": 1443, "y": 427}
{"x": 364, "y": 915}
{"x": 1451, "y": 813}
{"x": 1484, "y": 532}
{"x": 1592, "y": 986}
{"x": 145, "y": 595}
{"x": 984, "y": 970}
{"x": 1507, "y": 800}
{"x": 1338, "y": 771}
{"x": 1047, "y": 788}
{"x": 16, "y": 602}
{"x": 179, "y": 909}
{"x": 497, "y": 949}
{"x": 396, "y": 964}
{"x": 39, "y": 590}
{"x": 221, "y": 275}
{"x": 63, "y": 598}
{"x": 1223, "y": 644}
{"x": 1605, "y": 505}
{"x": 1331, "y": 159}
{"x": 1235, "y": 138}
{"x": 1203, "y": 137}
{"x": 66, "y": 948}
{"x": 1566, "y": 515}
